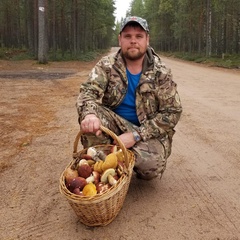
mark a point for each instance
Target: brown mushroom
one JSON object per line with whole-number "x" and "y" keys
{"x": 77, "y": 182}
{"x": 77, "y": 192}
{"x": 86, "y": 156}
{"x": 70, "y": 174}
{"x": 102, "y": 187}
{"x": 84, "y": 170}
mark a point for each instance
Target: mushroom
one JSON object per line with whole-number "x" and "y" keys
{"x": 70, "y": 174}
{"x": 91, "y": 162}
{"x": 89, "y": 190}
{"x": 86, "y": 156}
{"x": 112, "y": 180}
{"x": 114, "y": 149}
{"x": 77, "y": 192}
{"x": 101, "y": 155}
{"x": 77, "y": 182}
{"x": 120, "y": 168}
{"x": 106, "y": 173}
{"x": 92, "y": 152}
{"x": 98, "y": 166}
{"x": 84, "y": 170}
{"x": 82, "y": 162}
{"x": 110, "y": 162}
{"x": 95, "y": 154}
{"x": 102, "y": 187}
{"x": 120, "y": 155}
{"x": 94, "y": 177}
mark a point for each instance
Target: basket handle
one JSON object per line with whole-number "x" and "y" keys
{"x": 113, "y": 135}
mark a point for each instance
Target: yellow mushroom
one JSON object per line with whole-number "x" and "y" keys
{"x": 89, "y": 190}
{"x": 111, "y": 161}
{"x": 120, "y": 155}
{"x": 98, "y": 166}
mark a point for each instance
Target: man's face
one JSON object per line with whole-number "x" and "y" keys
{"x": 133, "y": 42}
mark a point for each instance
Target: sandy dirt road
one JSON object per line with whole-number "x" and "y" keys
{"x": 197, "y": 198}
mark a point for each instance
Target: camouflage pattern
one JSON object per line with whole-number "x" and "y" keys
{"x": 142, "y": 22}
{"x": 158, "y": 106}
{"x": 151, "y": 156}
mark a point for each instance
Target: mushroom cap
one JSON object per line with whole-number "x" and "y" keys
{"x": 77, "y": 182}
{"x": 120, "y": 155}
{"x": 70, "y": 174}
{"x": 84, "y": 170}
{"x": 111, "y": 161}
{"x": 98, "y": 166}
{"x": 102, "y": 187}
{"x": 104, "y": 177}
{"x": 92, "y": 152}
{"x": 82, "y": 162}
{"x": 89, "y": 190}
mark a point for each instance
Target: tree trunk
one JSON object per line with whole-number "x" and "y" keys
{"x": 42, "y": 38}
{"x": 209, "y": 30}
{"x": 238, "y": 35}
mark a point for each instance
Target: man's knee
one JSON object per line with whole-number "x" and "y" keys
{"x": 151, "y": 159}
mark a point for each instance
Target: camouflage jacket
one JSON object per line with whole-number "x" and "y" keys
{"x": 158, "y": 104}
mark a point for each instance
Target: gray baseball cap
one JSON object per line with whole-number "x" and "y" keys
{"x": 142, "y": 22}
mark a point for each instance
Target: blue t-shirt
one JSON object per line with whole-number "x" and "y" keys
{"x": 127, "y": 109}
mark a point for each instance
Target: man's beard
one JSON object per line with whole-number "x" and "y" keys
{"x": 133, "y": 56}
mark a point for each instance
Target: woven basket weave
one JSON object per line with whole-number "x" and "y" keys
{"x": 101, "y": 209}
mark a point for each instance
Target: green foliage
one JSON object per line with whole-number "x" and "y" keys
{"x": 181, "y": 25}
{"x": 225, "y": 61}
{"x": 15, "y": 54}
{"x": 68, "y": 56}
{"x": 79, "y": 27}
{"x": 74, "y": 26}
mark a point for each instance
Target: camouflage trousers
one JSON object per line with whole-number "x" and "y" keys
{"x": 151, "y": 156}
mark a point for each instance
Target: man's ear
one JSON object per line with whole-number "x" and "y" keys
{"x": 119, "y": 42}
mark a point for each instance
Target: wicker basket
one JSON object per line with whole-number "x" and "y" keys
{"x": 101, "y": 209}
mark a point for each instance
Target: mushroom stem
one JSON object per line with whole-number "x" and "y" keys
{"x": 112, "y": 180}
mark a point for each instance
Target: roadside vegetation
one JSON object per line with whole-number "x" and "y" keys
{"x": 203, "y": 31}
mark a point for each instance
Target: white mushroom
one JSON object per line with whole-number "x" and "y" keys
{"x": 92, "y": 152}
{"x": 112, "y": 180}
{"x": 82, "y": 162}
{"x": 93, "y": 178}
{"x": 106, "y": 173}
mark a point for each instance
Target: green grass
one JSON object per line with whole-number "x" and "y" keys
{"x": 15, "y": 54}
{"x": 226, "y": 61}
{"x": 22, "y": 54}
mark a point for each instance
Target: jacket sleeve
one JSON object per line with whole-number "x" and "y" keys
{"x": 169, "y": 109}
{"x": 91, "y": 92}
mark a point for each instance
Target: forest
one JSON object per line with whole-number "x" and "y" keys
{"x": 61, "y": 29}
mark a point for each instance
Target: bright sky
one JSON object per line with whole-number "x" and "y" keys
{"x": 121, "y": 8}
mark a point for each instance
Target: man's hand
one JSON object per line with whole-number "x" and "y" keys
{"x": 127, "y": 139}
{"x": 91, "y": 124}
